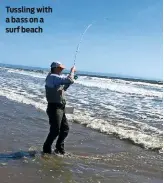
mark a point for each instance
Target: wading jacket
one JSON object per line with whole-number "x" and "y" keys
{"x": 56, "y": 86}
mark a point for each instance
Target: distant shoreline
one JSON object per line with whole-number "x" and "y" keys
{"x": 83, "y": 73}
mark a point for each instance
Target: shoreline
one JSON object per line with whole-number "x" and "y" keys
{"x": 23, "y": 127}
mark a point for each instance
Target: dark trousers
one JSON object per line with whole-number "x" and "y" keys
{"x": 58, "y": 127}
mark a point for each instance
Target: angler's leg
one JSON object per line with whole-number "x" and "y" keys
{"x": 55, "y": 117}
{"x": 64, "y": 129}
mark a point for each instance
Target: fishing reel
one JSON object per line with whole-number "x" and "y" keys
{"x": 75, "y": 77}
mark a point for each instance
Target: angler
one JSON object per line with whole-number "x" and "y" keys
{"x": 56, "y": 85}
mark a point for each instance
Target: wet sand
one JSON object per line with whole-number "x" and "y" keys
{"x": 95, "y": 157}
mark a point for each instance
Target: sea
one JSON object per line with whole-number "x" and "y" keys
{"x": 116, "y": 130}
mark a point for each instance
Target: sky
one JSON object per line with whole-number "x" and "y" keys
{"x": 125, "y": 37}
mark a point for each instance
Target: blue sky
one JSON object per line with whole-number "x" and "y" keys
{"x": 129, "y": 42}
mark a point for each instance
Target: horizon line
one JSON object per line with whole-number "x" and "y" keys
{"x": 90, "y": 72}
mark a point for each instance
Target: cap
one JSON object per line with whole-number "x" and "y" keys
{"x": 57, "y": 64}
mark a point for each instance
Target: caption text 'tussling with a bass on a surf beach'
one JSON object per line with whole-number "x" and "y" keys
{"x": 24, "y": 19}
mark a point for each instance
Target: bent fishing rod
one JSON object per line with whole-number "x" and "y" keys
{"x": 81, "y": 39}
{"x": 78, "y": 46}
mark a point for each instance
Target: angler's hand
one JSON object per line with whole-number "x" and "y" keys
{"x": 73, "y": 69}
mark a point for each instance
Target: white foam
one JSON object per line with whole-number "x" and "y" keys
{"x": 22, "y": 99}
{"x": 99, "y": 81}
{"x": 116, "y": 85}
{"x": 146, "y": 140}
{"x": 122, "y": 131}
{"x": 120, "y": 88}
{"x": 121, "y": 81}
{"x": 27, "y": 73}
{"x": 138, "y": 132}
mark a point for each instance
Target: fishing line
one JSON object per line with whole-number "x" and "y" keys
{"x": 78, "y": 46}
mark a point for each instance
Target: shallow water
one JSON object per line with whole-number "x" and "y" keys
{"x": 130, "y": 110}
{"x": 94, "y": 157}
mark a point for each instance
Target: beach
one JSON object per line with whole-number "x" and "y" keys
{"x": 107, "y": 142}
{"x": 97, "y": 157}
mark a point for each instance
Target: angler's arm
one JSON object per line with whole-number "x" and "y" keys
{"x": 71, "y": 77}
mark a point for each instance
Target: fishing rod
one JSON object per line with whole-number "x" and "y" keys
{"x": 78, "y": 46}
